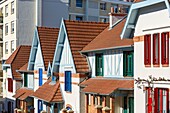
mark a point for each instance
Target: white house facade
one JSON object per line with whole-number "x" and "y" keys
{"x": 147, "y": 23}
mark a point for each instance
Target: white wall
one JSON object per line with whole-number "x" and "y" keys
{"x": 149, "y": 23}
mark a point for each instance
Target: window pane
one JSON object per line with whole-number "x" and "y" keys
{"x": 78, "y": 3}
{"x": 156, "y": 49}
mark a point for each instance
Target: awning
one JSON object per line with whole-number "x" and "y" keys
{"x": 23, "y": 93}
{"x": 106, "y": 86}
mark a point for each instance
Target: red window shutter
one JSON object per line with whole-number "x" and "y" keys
{"x": 147, "y": 49}
{"x": 11, "y": 85}
{"x": 167, "y": 99}
{"x": 156, "y": 49}
{"x": 149, "y": 101}
{"x": 165, "y": 48}
{"x": 156, "y": 100}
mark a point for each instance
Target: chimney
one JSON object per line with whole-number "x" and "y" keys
{"x": 111, "y": 19}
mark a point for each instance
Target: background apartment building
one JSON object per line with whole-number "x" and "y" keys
{"x": 97, "y": 10}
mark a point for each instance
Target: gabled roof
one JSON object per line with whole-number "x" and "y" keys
{"x": 24, "y": 67}
{"x": 18, "y": 58}
{"x": 79, "y": 35}
{"x": 134, "y": 13}
{"x": 49, "y": 92}
{"x": 48, "y": 39}
{"x": 106, "y": 86}
{"x": 108, "y": 39}
{"x": 23, "y": 93}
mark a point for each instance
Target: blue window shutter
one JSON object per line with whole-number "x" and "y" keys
{"x": 40, "y": 76}
{"x": 68, "y": 81}
{"x": 40, "y": 106}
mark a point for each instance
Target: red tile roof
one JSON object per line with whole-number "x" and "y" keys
{"x": 23, "y": 93}
{"x": 105, "y": 86}
{"x": 79, "y": 35}
{"x": 109, "y": 39}
{"x": 24, "y": 67}
{"x": 18, "y": 58}
{"x": 48, "y": 39}
{"x": 138, "y": 1}
{"x": 49, "y": 92}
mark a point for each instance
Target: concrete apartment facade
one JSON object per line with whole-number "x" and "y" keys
{"x": 96, "y": 10}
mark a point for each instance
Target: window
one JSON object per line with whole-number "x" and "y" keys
{"x": 165, "y": 48}
{"x": 25, "y": 80}
{"x": 12, "y": 46}
{"x": 79, "y": 18}
{"x": 128, "y": 63}
{"x": 40, "y": 106}
{"x": 12, "y": 27}
{"x": 68, "y": 81}
{"x": 30, "y": 81}
{"x": 147, "y": 50}
{"x": 156, "y": 49}
{"x": 103, "y": 19}
{"x": 6, "y": 10}
{"x": 6, "y": 47}
{"x": 6, "y": 29}
{"x": 10, "y": 85}
{"x": 103, "y": 6}
{"x": 79, "y": 3}
{"x": 161, "y": 97}
{"x": 115, "y": 6}
{"x": 40, "y": 77}
{"x": 99, "y": 65}
{"x": 12, "y": 7}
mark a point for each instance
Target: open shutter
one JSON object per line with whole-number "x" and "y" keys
{"x": 149, "y": 100}
{"x": 124, "y": 63}
{"x": 156, "y": 100}
{"x": 156, "y": 49}
{"x": 167, "y": 100}
{"x": 99, "y": 65}
{"x": 165, "y": 48}
{"x": 68, "y": 81}
{"x": 147, "y": 50}
{"x": 130, "y": 64}
{"x": 25, "y": 80}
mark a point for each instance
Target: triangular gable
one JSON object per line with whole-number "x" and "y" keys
{"x": 129, "y": 27}
{"x": 62, "y": 40}
{"x": 34, "y": 48}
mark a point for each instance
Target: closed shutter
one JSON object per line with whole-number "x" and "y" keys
{"x": 165, "y": 48}
{"x": 40, "y": 77}
{"x": 147, "y": 49}
{"x": 131, "y": 105}
{"x": 99, "y": 65}
{"x": 68, "y": 81}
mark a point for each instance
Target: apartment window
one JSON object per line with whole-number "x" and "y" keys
{"x": 10, "y": 85}
{"x": 161, "y": 97}
{"x": 6, "y": 10}
{"x": 25, "y": 80}
{"x": 6, "y": 47}
{"x": 68, "y": 81}
{"x": 103, "y": 19}
{"x": 12, "y": 46}
{"x": 12, "y": 7}
{"x": 165, "y": 48}
{"x": 40, "y": 76}
{"x": 128, "y": 63}
{"x": 79, "y": 18}
{"x": 147, "y": 50}
{"x": 103, "y": 6}
{"x": 12, "y": 27}
{"x": 156, "y": 49}
{"x": 6, "y": 29}
{"x": 99, "y": 65}
{"x": 79, "y": 3}
{"x": 115, "y": 6}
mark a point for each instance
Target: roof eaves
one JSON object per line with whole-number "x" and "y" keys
{"x": 136, "y": 6}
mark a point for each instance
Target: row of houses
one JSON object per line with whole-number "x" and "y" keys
{"x": 94, "y": 67}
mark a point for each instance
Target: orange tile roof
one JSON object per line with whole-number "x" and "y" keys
{"x": 80, "y": 34}
{"x": 138, "y": 1}
{"x": 106, "y": 86}
{"x": 48, "y": 39}
{"x": 49, "y": 92}
{"x": 23, "y": 93}
{"x": 109, "y": 39}
{"x": 18, "y": 58}
{"x": 24, "y": 67}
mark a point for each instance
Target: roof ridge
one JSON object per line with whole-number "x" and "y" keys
{"x": 16, "y": 54}
{"x": 57, "y": 86}
{"x": 86, "y": 21}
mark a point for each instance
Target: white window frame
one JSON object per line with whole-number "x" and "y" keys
{"x": 6, "y": 29}
{"x": 12, "y": 7}
{"x": 6, "y": 10}
{"x": 12, "y": 46}
{"x": 103, "y": 6}
{"x": 12, "y": 27}
{"x": 6, "y": 47}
